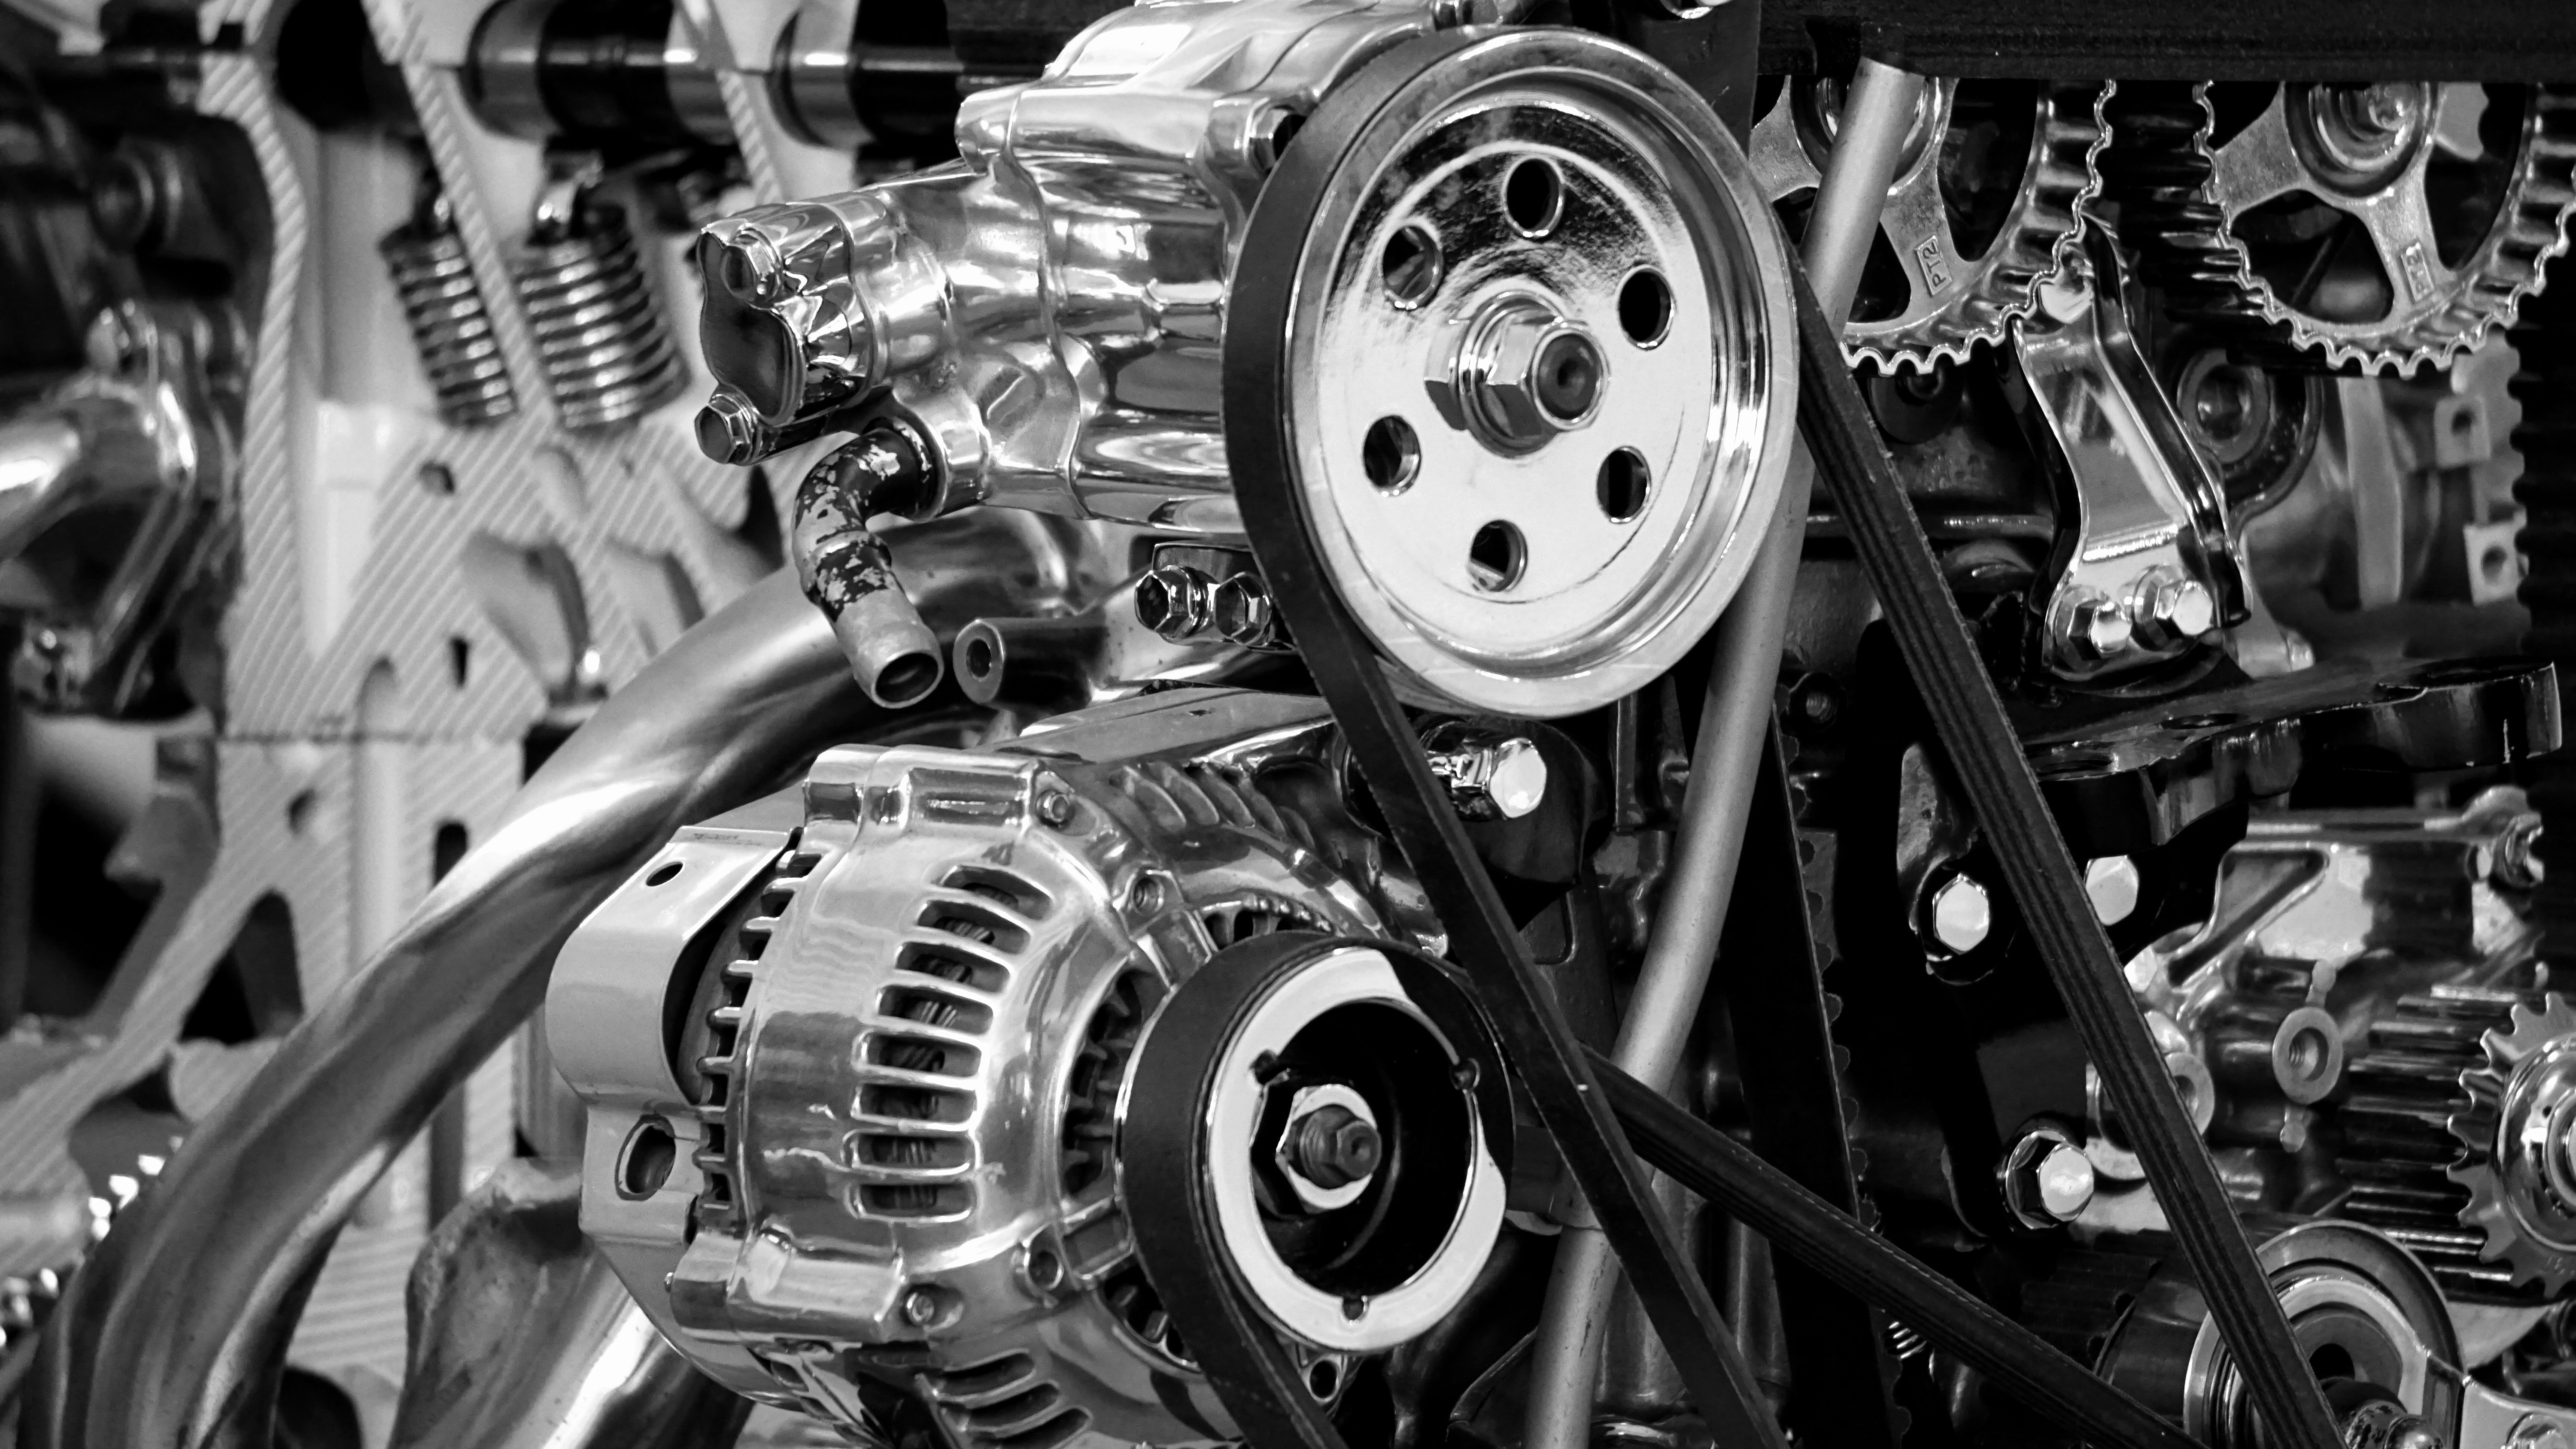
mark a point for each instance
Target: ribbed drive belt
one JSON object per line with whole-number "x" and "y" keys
{"x": 1259, "y": 1380}
{"x": 1987, "y": 756}
{"x": 1533, "y": 1034}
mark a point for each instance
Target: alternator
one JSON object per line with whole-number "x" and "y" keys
{"x": 854, "y": 1066}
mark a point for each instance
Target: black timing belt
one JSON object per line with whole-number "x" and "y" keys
{"x": 1533, "y": 1034}
{"x": 1987, "y": 755}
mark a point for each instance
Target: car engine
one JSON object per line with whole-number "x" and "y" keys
{"x": 1411, "y": 724}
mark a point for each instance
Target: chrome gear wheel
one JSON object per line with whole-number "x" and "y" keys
{"x": 2211, "y": 182}
{"x": 2520, "y": 1132}
{"x": 1964, "y": 265}
{"x": 2461, "y": 1139}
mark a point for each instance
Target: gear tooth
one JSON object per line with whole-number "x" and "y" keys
{"x": 2429, "y": 1104}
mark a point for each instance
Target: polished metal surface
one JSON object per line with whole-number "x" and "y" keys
{"x": 1735, "y": 716}
{"x": 2519, "y": 1160}
{"x": 140, "y": 441}
{"x": 937, "y": 290}
{"x": 1107, "y": 652}
{"x": 900, "y": 1112}
{"x": 522, "y": 1337}
{"x": 1527, "y": 261}
{"x": 2354, "y": 1300}
{"x": 1323, "y": 997}
{"x": 258, "y": 1198}
{"x": 2154, "y": 572}
{"x": 1542, "y": 296}
{"x": 2366, "y": 152}
{"x": 2338, "y": 990}
{"x": 1958, "y": 296}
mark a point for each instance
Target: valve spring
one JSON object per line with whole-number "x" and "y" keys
{"x": 601, "y": 333}
{"x": 449, "y": 324}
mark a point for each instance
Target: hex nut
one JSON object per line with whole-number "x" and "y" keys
{"x": 1961, "y": 915}
{"x": 2047, "y": 1180}
{"x": 2112, "y": 883}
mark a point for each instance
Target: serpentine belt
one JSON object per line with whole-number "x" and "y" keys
{"x": 1259, "y": 1381}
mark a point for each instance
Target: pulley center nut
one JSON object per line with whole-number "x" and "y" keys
{"x": 1519, "y": 374}
{"x": 1329, "y": 1147}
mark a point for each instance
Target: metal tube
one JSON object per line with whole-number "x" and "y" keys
{"x": 523, "y": 1337}
{"x": 170, "y": 1333}
{"x": 1734, "y": 717}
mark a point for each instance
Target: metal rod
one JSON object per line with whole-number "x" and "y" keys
{"x": 1967, "y": 713}
{"x": 1867, "y": 1266}
{"x": 1733, "y": 719}
{"x": 174, "y": 1322}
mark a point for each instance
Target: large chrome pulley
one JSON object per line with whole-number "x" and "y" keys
{"x": 1531, "y": 368}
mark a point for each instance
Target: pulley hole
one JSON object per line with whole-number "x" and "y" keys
{"x": 1390, "y": 454}
{"x": 1496, "y": 557}
{"x": 1533, "y": 196}
{"x": 1621, "y": 488}
{"x": 1411, "y": 265}
{"x": 1323, "y": 1378}
{"x": 1646, "y": 307}
{"x": 2333, "y": 1361}
{"x": 647, "y": 1161}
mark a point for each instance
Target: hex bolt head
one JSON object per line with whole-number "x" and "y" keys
{"x": 2166, "y": 612}
{"x": 1961, "y": 915}
{"x": 729, "y": 431}
{"x": 1173, "y": 600}
{"x": 2095, "y": 626}
{"x": 2112, "y": 882}
{"x": 1055, "y": 807}
{"x": 2047, "y": 1179}
{"x": 1493, "y": 779}
{"x": 744, "y": 264}
{"x": 1245, "y": 614}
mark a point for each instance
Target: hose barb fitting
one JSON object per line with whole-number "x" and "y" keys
{"x": 845, "y": 570}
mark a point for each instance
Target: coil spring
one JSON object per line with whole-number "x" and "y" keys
{"x": 449, "y": 324}
{"x": 606, "y": 347}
